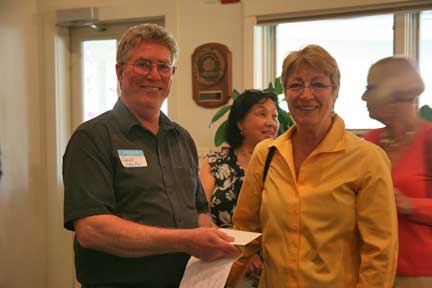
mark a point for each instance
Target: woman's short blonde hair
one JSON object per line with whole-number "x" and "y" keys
{"x": 400, "y": 79}
{"x": 316, "y": 57}
{"x": 145, "y": 33}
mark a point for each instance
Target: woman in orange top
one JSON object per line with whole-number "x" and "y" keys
{"x": 391, "y": 95}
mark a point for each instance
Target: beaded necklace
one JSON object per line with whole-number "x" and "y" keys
{"x": 390, "y": 143}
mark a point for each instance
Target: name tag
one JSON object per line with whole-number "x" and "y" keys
{"x": 132, "y": 158}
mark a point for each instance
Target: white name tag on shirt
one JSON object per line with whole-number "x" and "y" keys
{"x": 132, "y": 158}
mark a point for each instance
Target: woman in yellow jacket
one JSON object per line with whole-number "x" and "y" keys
{"x": 326, "y": 208}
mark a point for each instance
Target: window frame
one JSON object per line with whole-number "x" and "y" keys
{"x": 406, "y": 38}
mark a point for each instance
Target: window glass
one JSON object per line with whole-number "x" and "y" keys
{"x": 356, "y": 43}
{"x": 99, "y": 77}
{"x": 426, "y": 56}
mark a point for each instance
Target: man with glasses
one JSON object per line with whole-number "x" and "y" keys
{"x": 132, "y": 193}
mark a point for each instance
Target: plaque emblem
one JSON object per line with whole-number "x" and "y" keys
{"x": 211, "y": 79}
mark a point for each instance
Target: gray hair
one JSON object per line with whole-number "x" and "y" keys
{"x": 145, "y": 33}
{"x": 401, "y": 80}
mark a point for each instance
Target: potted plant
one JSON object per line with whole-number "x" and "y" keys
{"x": 284, "y": 118}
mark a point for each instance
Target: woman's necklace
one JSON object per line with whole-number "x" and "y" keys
{"x": 390, "y": 143}
{"x": 243, "y": 156}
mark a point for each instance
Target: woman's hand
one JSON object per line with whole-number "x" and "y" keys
{"x": 403, "y": 203}
{"x": 254, "y": 268}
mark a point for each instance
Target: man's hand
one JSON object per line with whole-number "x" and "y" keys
{"x": 210, "y": 244}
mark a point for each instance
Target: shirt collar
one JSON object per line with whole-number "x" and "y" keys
{"x": 334, "y": 140}
{"x": 127, "y": 120}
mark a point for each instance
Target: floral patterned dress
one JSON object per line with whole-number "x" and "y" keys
{"x": 228, "y": 180}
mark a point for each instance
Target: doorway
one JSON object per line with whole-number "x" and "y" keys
{"x": 94, "y": 87}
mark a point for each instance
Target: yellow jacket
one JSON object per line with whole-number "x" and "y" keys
{"x": 332, "y": 226}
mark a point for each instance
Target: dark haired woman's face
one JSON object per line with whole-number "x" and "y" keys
{"x": 261, "y": 122}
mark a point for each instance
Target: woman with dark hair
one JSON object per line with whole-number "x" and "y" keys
{"x": 253, "y": 118}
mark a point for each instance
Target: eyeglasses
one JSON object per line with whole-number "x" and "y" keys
{"x": 144, "y": 67}
{"x": 315, "y": 87}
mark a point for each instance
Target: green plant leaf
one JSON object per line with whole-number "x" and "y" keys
{"x": 425, "y": 113}
{"x": 221, "y": 112}
{"x": 285, "y": 121}
{"x": 270, "y": 86}
{"x": 269, "y": 90}
{"x": 235, "y": 94}
{"x": 219, "y": 137}
{"x": 278, "y": 86}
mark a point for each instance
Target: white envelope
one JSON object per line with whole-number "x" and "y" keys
{"x": 240, "y": 237}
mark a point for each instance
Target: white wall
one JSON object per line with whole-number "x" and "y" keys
{"x": 209, "y": 22}
{"x": 23, "y": 226}
{"x": 35, "y": 251}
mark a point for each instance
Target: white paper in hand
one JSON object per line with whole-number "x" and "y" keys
{"x": 240, "y": 237}
{"x": 199, "y": 274}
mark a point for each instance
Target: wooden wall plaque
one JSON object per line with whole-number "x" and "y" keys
{"x": 211, "y": 75}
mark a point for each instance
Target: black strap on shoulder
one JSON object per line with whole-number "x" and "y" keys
{"x": 270, "y": 154}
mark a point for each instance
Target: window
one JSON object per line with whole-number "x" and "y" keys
{"x": 99, "y": 77}
{"x": 425, "y": 58}
{"x": 356, "y": 43}
{"x": 94, "y": 80}
{"x": 100, "y": 80}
